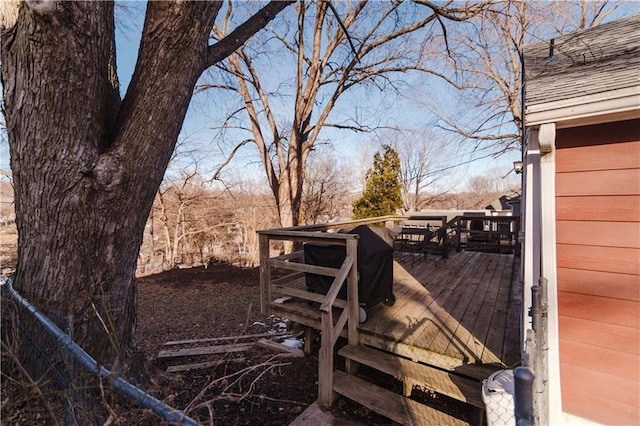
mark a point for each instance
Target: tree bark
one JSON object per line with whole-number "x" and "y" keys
{"x": 87, "y": 165}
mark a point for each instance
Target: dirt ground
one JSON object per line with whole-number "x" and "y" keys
{"x": 252, "y": 387}
{"x": 224, "y": 301}
{"x": 221, "y": 301}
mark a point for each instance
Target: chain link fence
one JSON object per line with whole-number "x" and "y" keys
{"x": 515, "y": 396}
{"x": 64, "y": 369}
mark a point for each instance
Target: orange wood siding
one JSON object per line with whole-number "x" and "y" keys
{"x": 612, "y": 234}
{"x": 599, "y": 258}
{"x": 605, "y": 182}
{"x": 593, "y": 208}
{"x": 598, "y": 396}
{"x": 601, "y": 335}
{"x": 599, "y": 283}
{"x": 598, "y": 255}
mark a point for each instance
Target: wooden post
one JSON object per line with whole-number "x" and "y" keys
{"x": 265, "y": 274}
{"x": 458, "y": 233}
{"x": 353, "y": 304}
{"x": 352, "y": 293}
{"x": 325, "y": 361}
{"x": 308, "y": 339}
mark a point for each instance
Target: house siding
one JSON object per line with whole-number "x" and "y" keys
{"x": 598, "y": 258}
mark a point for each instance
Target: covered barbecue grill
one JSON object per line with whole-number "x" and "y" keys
{"x": 375, "y": 266}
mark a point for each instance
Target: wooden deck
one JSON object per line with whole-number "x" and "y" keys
{"x": 460, "y": 314}
{"x": 451, "y": 312}
{"x": 455, "y": 320}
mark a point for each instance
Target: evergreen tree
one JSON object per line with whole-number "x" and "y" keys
{"x": 382, "y": 187}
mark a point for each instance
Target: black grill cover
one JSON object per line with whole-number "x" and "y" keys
{"x": 375, "y": 266}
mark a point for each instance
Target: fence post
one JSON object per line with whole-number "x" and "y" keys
{"x": 529, "y": 358}
{"x": 523, "y": 398}
{"x": 536, "y": 308}
{"x": 542, "y": 343}
{"x": 539, "y": 311}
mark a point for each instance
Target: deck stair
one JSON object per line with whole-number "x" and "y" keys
{"x": 399, "y": 407}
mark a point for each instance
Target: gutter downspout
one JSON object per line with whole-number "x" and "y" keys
{"x": 548, "y": 265}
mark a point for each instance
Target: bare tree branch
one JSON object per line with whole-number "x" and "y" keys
{"x": 240, "y": 35}
{"x": 216, "y": 174}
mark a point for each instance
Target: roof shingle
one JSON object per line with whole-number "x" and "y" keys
{"x": 599, "y": 59}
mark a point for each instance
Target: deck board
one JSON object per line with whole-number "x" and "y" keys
{"x": 450, "y": 337}
{"x": 462, "y": 337}
{"x": 489, "y": 305}
{"x": 459, "y": 308}
{"x": 497, "y": 326}
{"x": 454, "y": 278}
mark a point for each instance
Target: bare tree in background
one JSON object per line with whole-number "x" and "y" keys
{"x": 252, "y": 209}
{"x": 425, "y": 160}
{"x": 485, "y": 63}
{"x": 484, "y": 189}
{"x": 187, "y": 213}
{"x": 327, "y": 190}
{"x": 370, "y": 47}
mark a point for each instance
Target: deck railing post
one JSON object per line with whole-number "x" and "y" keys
{"x": 265, "y": 273}
{"x": 353, "y": 304}
{"x": 325, "y": 361}
{"x": 523, "y": 398}
{"x": 352, "y": 293}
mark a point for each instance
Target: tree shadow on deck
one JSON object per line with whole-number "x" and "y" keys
{"x": 454, "y": 317}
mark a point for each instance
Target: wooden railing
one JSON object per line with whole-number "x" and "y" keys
{"x": 330, "y": 329}
{"x": 350, "y": 316}
{"x": 494, "y": 233}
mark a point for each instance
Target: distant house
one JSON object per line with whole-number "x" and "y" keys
{"x": 506, "y": 205}
{"x": 581, "y": 216}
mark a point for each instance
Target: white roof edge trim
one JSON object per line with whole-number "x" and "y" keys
{"x": 611, "y": 102}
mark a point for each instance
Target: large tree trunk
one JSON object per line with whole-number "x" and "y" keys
{"x": 87, "y": 166}
{"x": 289, "y": 190}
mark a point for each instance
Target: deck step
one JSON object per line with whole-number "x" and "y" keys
{"x": 391, "y": 405}
{"x": 413, "y": 373}
{"x": 299, "y": 312}
{"x": 298, "y": 307}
